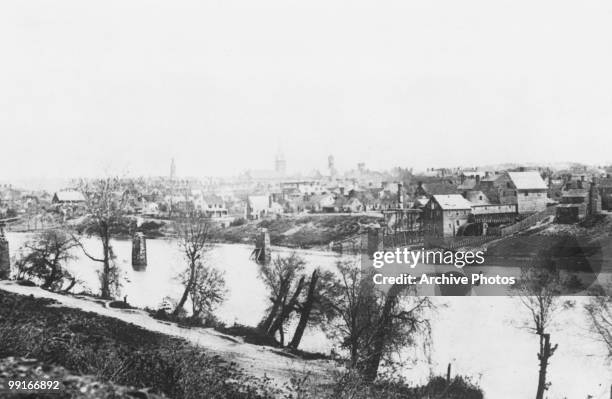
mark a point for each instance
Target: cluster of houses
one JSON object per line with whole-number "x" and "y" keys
{"x": 15, "y": 202}
{"x": 153, "y": 202}
{"x": 483, "y": 201}
{"x": 152, "y": 198}
{"x": 496, "y": 197}
{"x": 448, "y": 202}
{"x": 311, "y": 196}
{"x": 487, "y": 201}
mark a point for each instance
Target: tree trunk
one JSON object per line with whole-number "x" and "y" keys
{"x": 72, "y": 284}
{"x": 51, "y": 277}
{"x": 105, "y": 290}
{"x": 183, "y": 299}
{"x": 286, "y": 309}
{"x": 354, "y": 352}
{"x": 276, "y": 304}
{"x": 545, "y": 353}
{"x": 305, "y": 313}
{"x": 55, "y": 269}
{"x": 370, "y": 370}
{"x": 265, "y": 324}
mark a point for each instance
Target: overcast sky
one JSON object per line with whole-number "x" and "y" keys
{"x": 88, "y": 88}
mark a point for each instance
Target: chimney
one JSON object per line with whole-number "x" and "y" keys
{"x": 400, "y": 197}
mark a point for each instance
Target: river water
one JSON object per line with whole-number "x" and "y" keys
{"x": 482, "y": 337}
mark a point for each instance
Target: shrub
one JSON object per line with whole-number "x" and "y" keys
{"x": 252, "y": 335}
{"x": 350, "y": 384}
{"x": 238, "y": 222}
{"x": 120, "y": 305}
{"x": 26, "y": 283}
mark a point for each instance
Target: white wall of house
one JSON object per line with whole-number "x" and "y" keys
{"x": 531, "y": 201}
{"x": 453, "y": 220}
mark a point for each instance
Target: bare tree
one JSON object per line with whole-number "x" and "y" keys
{"x": 374, "y": 325}
{"x": 45, "y": 259}
{"x": 599, "y": 310}
{"x": 286, "y": 309}
{"x": 194, "y": 241}
{"x": 316, "y": 305}
{"x": 105, "y": 216}
{"x": 539, "y": 289}
{"x": 279, "y": 277}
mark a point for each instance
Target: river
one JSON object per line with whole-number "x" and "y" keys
{"x": 482, "y": 337}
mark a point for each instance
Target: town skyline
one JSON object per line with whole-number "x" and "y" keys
{"x": 173, "y": 171}
{"x": 129, "y": 161}
{"x": 517, "y": 86}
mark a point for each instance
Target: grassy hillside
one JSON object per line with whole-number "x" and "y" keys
{"x": 299, "y": 232}
{"x": 118, "y": 352}
{"x": 102, "y": 358}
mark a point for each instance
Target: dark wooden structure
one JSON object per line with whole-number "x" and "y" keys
{"x": 262, "y": 252}
{"x": 5, "y": 259}
{"x": 402, "y": 227}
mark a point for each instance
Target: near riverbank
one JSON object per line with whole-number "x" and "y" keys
{"x": 258, "y": 361}
{"x": 116, "y": 349}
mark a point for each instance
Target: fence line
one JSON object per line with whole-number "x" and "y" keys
{"x": 528, "y": 221}
{"x": 469, "y": 241}
{"x": 453, "y": 243}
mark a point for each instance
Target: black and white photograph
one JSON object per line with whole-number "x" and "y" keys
{"x": 282, "y": 199}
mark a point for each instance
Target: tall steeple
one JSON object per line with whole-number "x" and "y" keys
{"x": 172, "y": 170}
{"x": 280, "y": 164}
{"x": 331, "y": 166}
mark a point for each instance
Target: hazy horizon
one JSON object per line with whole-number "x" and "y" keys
{"x": 121, "y": 87}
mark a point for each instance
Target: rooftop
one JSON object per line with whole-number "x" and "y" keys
{"x": 575, "y": 192}
{"x": 527, "y": 181}
{"x": 452, "y": 201}
{"x": 69, "y": 196}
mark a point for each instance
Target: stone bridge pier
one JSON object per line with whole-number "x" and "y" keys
{"x": 139, "y": 251}
{"x": 263, "y": 253}
{"x": 5, "y": 260}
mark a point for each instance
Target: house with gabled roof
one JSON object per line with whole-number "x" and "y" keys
{"x": 258, "y": 206}
{"x": 531, "y": 191}
{"x": 68, "y": 197}
{"x": 445, "y": 215}
{"x": 437, "y": 187}
{"x": 353, "y": 205}
{"x": 525, "y": 189}
{"x": 573, "y": 206}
